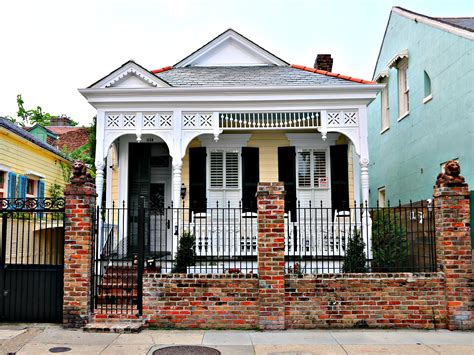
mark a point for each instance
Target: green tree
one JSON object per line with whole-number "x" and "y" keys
{"x": 34, "y": 116}
{"x": 186, "y": 255}
{"x": 355, "y": 258}
{"x": 389, "y": 243}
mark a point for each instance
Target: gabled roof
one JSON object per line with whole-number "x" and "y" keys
{"x": 37, "y": 125}
{"x": 9, "y": 126}
{"x": 230, "y": 48}
{"x": 130, "y": 75}
{"x": 228, "y": 60}
{"x": 460, "y": 26}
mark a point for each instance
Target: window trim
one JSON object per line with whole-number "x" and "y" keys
{"x": 328, "y": 177}
{"x": 403, "y": 89}
{"x": 384, "y": 106}
{"x": 223, "y": 189}
{"x": 4, "y": 186}
{"x": 381, "y": 189}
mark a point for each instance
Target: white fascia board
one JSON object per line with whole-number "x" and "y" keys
{"x": 218, "y": 97}
{"x": 434, "y": 23}
{"x": 235, "y": 91}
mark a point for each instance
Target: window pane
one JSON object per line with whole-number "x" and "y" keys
{"x": 304, "y": 169}
{"x": 217, "y": 169}
{"x": 320, "y": 179}
{"x": 232, "y": 169}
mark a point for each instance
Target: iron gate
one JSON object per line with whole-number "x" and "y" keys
{"x": 31, "y": 260}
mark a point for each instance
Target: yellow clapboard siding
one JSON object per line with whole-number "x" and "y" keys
{"x": 268, "y": 143}
{"x": 22, "y": 155}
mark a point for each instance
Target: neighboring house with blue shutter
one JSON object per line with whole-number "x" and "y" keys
{"x": 28, "y": 166}
{"x": 425, "y": 114}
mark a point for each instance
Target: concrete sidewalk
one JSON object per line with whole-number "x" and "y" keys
{"x": 32, "y": 339}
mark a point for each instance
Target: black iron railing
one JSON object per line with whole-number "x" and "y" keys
{"x": 31, "y": 259}
{"x": 361, "y": 239}
{"x": 223, "y": 239}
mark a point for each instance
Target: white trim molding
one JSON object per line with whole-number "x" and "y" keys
{"x": 400, "y": 55}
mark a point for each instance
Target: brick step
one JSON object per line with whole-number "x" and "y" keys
{"x": 115, "y": 325}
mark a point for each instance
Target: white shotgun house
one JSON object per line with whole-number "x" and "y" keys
{"x": 203, "y": 132}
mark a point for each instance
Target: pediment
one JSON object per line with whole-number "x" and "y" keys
{"x": 230, "y": 49}
{"x": 130, "y": 76}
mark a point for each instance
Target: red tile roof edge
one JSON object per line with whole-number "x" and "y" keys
{"x": 336, "y": 75}
{"x": 156, "y": 71}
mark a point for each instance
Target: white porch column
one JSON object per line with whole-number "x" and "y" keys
{"x": 364, "y": 179}
{"x": 176, "y": 184}
{"x": 100, "y": 156}
{"x": 364, "y": 154}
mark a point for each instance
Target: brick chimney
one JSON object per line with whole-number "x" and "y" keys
{"x": 62, "y": 121}
{"x": 323, "y": 62}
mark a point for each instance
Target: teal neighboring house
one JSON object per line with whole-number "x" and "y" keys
{"x": 425, "y": 115}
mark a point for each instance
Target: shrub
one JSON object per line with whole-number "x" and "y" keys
{"x": 355, "y": 258}
{"x": 186, "y": 255}
{"x": 389, "y": 244}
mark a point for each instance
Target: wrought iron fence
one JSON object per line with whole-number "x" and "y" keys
{"x": 223, "y": 239}
{"x": 361, "y": 239}
{"x": 31, "y": 259}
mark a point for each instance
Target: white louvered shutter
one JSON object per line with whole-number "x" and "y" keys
{"x": 232, "y": 170}
{"x": 319, "y": 169}
{"x": 304, "y": 168}
{"x": 217, "y": 169}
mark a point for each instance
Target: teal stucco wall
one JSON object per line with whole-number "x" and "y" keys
{"x": 407, "y": 157}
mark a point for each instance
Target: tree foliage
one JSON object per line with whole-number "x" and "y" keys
{"x": 186, "y": 255}
{"x": 389, "y": 243}
{"x": 355, "y": 258}
{"x": 32, "y": 116}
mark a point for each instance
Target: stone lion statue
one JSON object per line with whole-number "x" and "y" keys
{"x": 79, "y": 171}
{"x": 451, "y": 175}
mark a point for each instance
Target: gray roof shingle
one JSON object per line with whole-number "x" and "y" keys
{"x": 8, "y": 125}
{"x": 246, "y": 76}
{"x": 466, "y": 23}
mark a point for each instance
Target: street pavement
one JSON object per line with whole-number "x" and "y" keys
{"x": 40, "y": 339}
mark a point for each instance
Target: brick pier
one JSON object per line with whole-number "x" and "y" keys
{"x": 79, "y": 205}
{"x": 271, "y": 257}
{"x": 454, "y": 251}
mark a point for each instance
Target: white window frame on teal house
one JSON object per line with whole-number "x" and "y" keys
{"x": 381, "y": 196}
{"x": 403, "y": 89}
{"x": 383, "y": 78}
{"x": 427, "y": 87}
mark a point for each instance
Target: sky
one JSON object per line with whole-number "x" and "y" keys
{"x": 49, "y": 49}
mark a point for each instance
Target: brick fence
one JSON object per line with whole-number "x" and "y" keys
{"x": 272, "y": 300}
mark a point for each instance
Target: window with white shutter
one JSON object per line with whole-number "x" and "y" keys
{"x": 224, "y": 177}
{"x": 231, "y": 169}
{"x": 217, "y": 169}
{"x": 312, "y": 168}
{"x": 319, "y": 169}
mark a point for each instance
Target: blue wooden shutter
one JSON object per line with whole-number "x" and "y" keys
{"x": 40, "y": 189}
{"x": 22, "y": 183}
{"x": 11, "y": 185}
{"x": 40, "y": 197}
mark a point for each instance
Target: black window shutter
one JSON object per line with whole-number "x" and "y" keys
{"x": 139, "y": 173}
{"x": 197, "y": 179}
{"x": 287, "y": 174}
{"x": 339, "y": 177}
{"x": 250, "y": 177}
